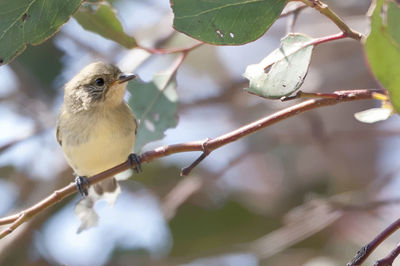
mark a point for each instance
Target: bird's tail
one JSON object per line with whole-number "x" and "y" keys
{"x": 108, "y": 190}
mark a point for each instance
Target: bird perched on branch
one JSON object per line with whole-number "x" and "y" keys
{"x": 96, "y": 130}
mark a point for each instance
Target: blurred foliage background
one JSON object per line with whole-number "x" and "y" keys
{"x": 309, "y": 190}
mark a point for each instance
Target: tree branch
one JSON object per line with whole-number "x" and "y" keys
{"x": 366, "y": 250}
{"x": 389, "y": 259}
{"x": 205, "y": 146}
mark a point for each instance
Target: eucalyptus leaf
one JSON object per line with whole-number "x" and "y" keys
{"x": 25, "y": 22}
{"x": 283, "y": 71}
{"x": 49, "y": 55}
{"x": 382, "y": 47}
{"x": 154, "y": 104}
{"x": 102, "y": 20}
{"x": 225, "y": 22}
{"x": 373, "y": 115}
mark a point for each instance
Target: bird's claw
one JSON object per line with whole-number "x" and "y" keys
{"x": 134, "y": 161}
{"x": 82, "y": 184}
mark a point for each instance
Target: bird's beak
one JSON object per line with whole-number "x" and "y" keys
{"x": 126, "y": 77}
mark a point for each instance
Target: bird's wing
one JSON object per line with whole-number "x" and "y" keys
{"x": 58, "y": 134}
{"x": 136, "y": 125}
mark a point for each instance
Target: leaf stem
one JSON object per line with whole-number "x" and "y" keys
{"x": 326, "y": 11}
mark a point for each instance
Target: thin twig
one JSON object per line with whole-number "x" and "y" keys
{"x": 291, "y": 11}
{"x": 205, "y": 146}
{"x": 389, "y": 259}
{"x": 186, "y": 171}
{"x": 366, "y": 250}
{"x": 302, "y": 94}
{"x": 294, "y": 10}
{"x": 291, "y": 22}
{"x": 14, "y": 225}
{"x": 326, "y": 11}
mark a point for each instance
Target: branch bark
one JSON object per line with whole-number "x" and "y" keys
{"x": 389, "y": 259}
{"x": 205, "y": 146}
{"x": 366, "y": 250}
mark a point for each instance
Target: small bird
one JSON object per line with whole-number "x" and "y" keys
{"x": 96, "y": 130}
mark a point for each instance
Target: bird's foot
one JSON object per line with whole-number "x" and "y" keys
{"x": 134, "y": 161}
{"x": 82, "y": 184}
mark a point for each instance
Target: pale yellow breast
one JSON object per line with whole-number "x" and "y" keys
{"x": 100, "y": 153}
{"x": 108, "y": 143}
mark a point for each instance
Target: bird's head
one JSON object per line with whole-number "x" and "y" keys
{"x": 98, "y": 84}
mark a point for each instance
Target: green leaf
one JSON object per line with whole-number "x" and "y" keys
{"x": 25, "y": 22}
{"x": 373, "y": 115}
{"x": 43, "y": 77}
{"x": 225, "y": 22}
{"x": 382, "y": 47}
{"x": 283, "y": 71}
{"x": 393, "y": 22}
{"x": 102, "y": 20}
{"x": 154, "y": 104}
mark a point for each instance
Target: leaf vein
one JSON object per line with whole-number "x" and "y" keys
{"x": 219, "y": 8}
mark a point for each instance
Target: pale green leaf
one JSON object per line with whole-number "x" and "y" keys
{"x": 102, "y": 20}
{"x": 382, "y": 47}
{"x": 154, "y": 104}
{"x": 373, "y": 115}
{"x": 283, "y": 71}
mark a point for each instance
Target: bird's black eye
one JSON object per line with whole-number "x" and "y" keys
{"x": 99, "y": 82}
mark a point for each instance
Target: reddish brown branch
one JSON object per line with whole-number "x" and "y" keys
{"x": 366, "y": 250}
{"x": 186, "y": 171}
{"x": 205, "y": 146}
{"x": 389, "y": 259}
